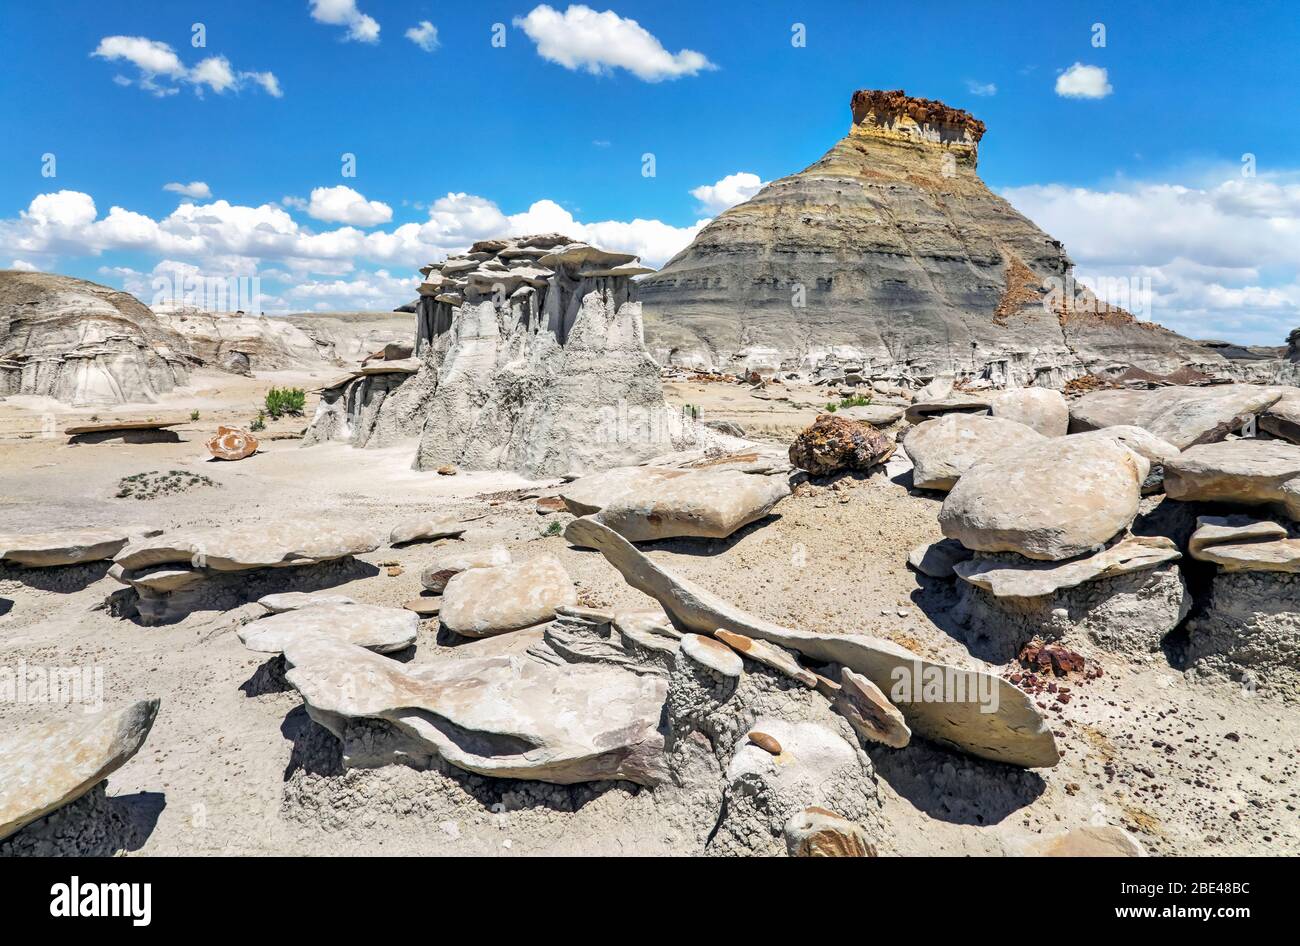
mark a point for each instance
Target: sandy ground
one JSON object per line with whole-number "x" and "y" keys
{"x": 1188, "y": 766}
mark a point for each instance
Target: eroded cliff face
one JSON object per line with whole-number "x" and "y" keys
{"x": 890, "y": 252}
{"x": 83, "y": 343}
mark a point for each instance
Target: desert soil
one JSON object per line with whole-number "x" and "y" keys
{"x": 1189, "y": 766}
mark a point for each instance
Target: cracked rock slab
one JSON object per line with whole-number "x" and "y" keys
{"x": 1003, "y": 726}
{"x": 375, "y": 628}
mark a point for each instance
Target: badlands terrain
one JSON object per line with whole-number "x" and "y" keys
{"x": 862, "y": 538}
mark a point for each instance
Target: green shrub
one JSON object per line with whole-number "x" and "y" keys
{"x": 259, "y": 422}
{"x": 281, "y": 401}
{"x": 555, "y": 528}
{"x": 194, "y": 415}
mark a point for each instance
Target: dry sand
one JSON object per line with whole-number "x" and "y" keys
{"x": 1189, "y": 767}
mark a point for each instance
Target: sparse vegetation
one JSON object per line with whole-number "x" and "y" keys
{"x": 153, "y": 484}
{"x": 194, "y": 415}
{"x": 555, "y": 528}
{"x": 259, "y": 422}
{"x": 857, "y": 400}
{"x": 281, "y": 401}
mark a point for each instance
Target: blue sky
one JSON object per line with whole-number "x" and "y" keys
{"x": 1143, "y": 180}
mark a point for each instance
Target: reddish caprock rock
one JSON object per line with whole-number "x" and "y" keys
{"x": 231, "y": 443}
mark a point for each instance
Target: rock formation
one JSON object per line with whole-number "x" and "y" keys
{"x": 530, "y": 358}
{"x": 84, "y": 343}
{"x": 241, "y": 343}
{"x": 891, "y": 254}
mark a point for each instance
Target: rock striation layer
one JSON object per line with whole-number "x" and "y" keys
{"x": 890, "y": 254}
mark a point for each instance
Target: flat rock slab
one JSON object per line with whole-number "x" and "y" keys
{"x": 755, "y": 458}
{"x": 1184, "y": 416}
{"x": 501, "y": 716}
{"x": 424, "y": 607}
{"x": 45, "y": 767}
{"x": 698, "y": 503}
{"x": 1282, "y": 419}
{"x": 113, "y": 426}
{"x": 380, "y": 629}
{"x": 293, "y": 600}
{"x": 426, "y": 530}
{"x": 48, "y": 549}
{"x": 1043, "y": 409}
{"x": 1030, "y": 579}
{"x": 1051, "y": 501}
{"x": 937, "y": 559}
{"x": 769, "y": 655}
{"x": 481, "y": 602}
{"x": 921, "y": 411}
{"x": 1242, "y": 544}
{"x": 449, "y": 564}
{"x": 237, "y": 548}
{"x": 591, "y": 494}
{"x": 869, "y": 712}
{"x": 1003, "y": 724}
{"x": 944, "y": 448}
{"x": 713, "y": 655}
{"x": 878, "y": 415}
{"x": 1242, "y": 472}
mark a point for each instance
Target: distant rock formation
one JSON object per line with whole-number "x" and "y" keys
{"x": 891, "y": 255}
{"x": 84, "y": 343}
{"x": 531, "y": 358}
{"x": 241, "y": 343}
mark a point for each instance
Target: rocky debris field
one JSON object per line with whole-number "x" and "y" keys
{"x": 974, "y": 634}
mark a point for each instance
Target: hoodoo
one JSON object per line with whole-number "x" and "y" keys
{"x": 891, "y": 254}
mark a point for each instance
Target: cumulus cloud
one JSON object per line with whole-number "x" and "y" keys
{"x": 224, "y": 237}
{"x": 160, "y": 70}
{"x": 342, "y": 204}
{"x": 1222, "y": 259}
{"x": 361, "y": 28}
{"x": 195, "y": 189}
{"x": 24, "y": 266}
{"x": 1083, "y": 82}
{"x": 425, "y": 35}
{"x": 981, "y": 88}
{"x": 581, "y": 38}
{"x": 731, "y": 190}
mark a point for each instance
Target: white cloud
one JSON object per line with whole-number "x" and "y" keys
{"x": 731, "y": 190}
{"x": 1083, "y": 82}
{"x": 981, "y": 88}
{"x": 424, "y": 35}
{"x": 160, "y": 69}
{"x": 24, "y": 266}
{"x": 195, "y": 189}
{"x": 1223, "y": 259}
{"x": 231, "y": 238}
{"x": 361, "y": 28}
{"x": 344, "y": 205}
{"x": 581, "y": 38}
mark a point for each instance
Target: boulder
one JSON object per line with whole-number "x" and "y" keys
{"x": 816, "y": 832}
{"x": 47, "y": 766}
{"x": 1282, "y": 418}
{"x": 481, "y": 602}
{"x": 833, "y": 444}
{"x": 937, "y": 559}
{"x": 70, "y": 547}
{"x": 502, "y": 716}
{"x": 1031, "y": 579}
{"x": 970, "y": 710}
{"x": 253, "y": 545}
{"x": 1183, "y": 416}
{"x": 590, "y": 494}
{"x": 1240, "y": 472}
{"x": 382, "y": 630}
{"x": 425, "y": 530}
{"x": 1051, "y": 501}
{"x": 446, "y": 566}
{"x": 1142, "y": 442}
{"x": 1042, "y": 409}
{"x": 231, "y": 443}
{"x": 944, "y": 448}
{"x": 698, "y": 503}
{"x": 921, "y": 411}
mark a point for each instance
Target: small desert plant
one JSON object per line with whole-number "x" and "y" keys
{"x": 555, "y": 528}
{"x": 281, "y": 401}
{"x": 259, "y": 422}
{"x": 857, "y": 400}
{"x": 194, "y": 415}
{"x": 153, "y": 484}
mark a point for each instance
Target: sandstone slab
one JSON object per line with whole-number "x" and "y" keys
{"x": 47, "y": 766}
{"x": 293, "y": 600}
{"x": 769, "y": 655}
{"x": 426, "y": 530}
{"x": 700, "y": 503}
{"x": 1003, "y": 725}
{"x": 71, "y": 547}
{"x": 1041, "y": 409}
{"x": 1239, "y": 543}
{"x": 1184, "y": 416}
{"x": 380, "y": 629}
{"x": 1052, "y": 501}
{"x": 1031, "y": 579}
{"x": 937, "y": 559}
{"x": 868, "y": 711}
{"x": 1240, "y": 472}
{"x": 481, "y": 602}
{"x": 241, "y": 547}
{"x": 944, "y": 448}
{"x": 449, "y": 564}
{"x": 501, "y": 716}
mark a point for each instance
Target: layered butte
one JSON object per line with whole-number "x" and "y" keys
{"x": 890, "y": 252}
